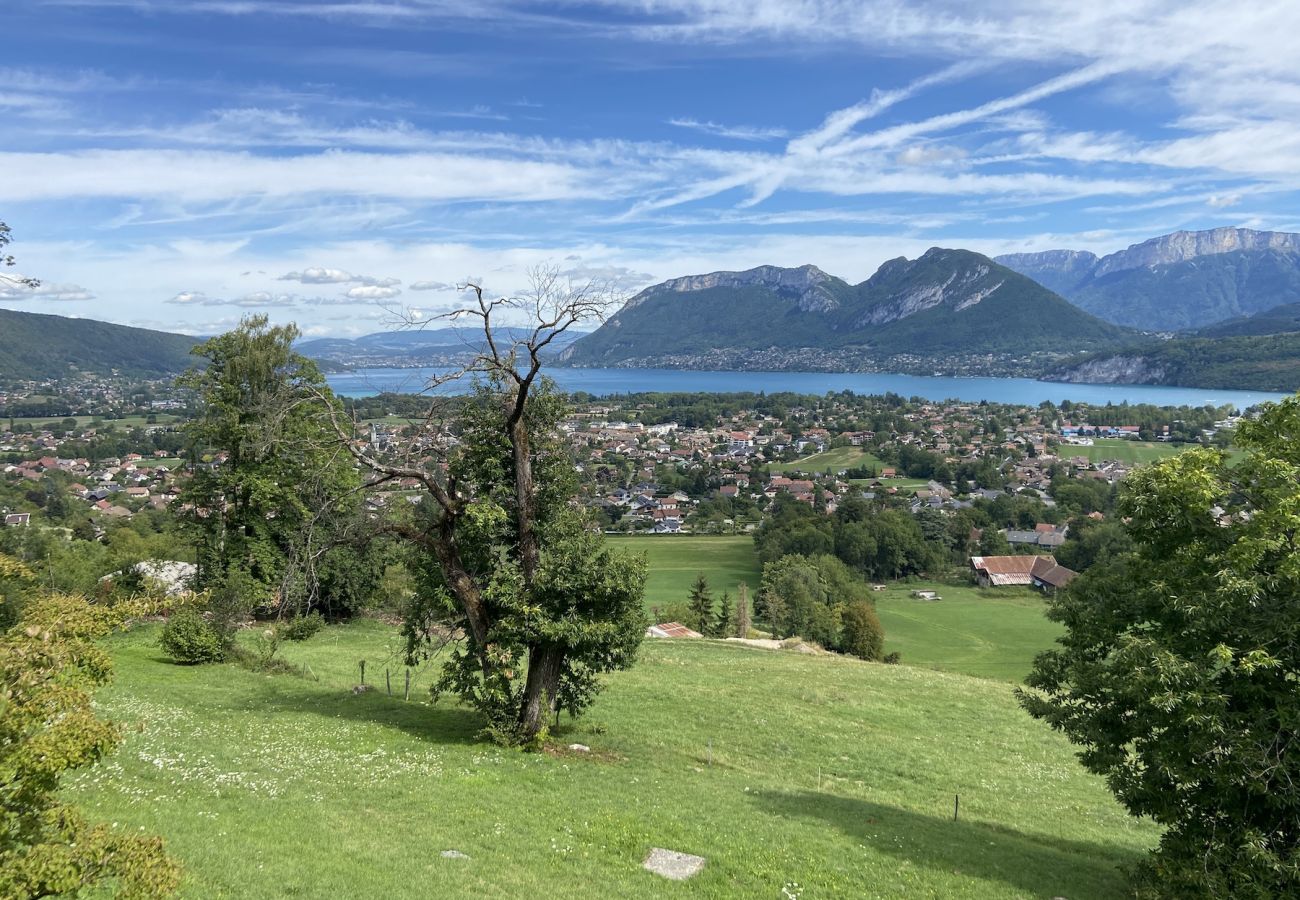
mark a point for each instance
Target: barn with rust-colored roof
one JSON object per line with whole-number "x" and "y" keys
{"x": 671, "y": 630}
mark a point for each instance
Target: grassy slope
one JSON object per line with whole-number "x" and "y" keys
{"x": 985, "y": 633}
{"x": 834, "y": 460}
{"x": 675, "y": 560}
{"x": 271, "y": 787}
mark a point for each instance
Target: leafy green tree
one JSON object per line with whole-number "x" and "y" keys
{"x": 273, "y": 493}
{"x": 541, "y": 605}
{"x": 1177, "y": 674}
{"x": 700, "y": 604}
{"x": 862, "y": 634}
{"x": 49, "y": 665}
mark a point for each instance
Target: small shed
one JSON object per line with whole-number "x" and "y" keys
{"x": 671, "y": 630}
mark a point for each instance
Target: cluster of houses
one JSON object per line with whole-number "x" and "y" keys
{"x": 114, "y": 487}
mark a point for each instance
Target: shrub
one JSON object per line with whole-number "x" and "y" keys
{"x": 300, "y": 628}
{"x": 861, "y": 633}
{"x": 189, "y": 638}
{"x": 893, "y": 659}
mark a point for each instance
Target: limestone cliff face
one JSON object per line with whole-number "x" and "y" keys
{"x": 1176, "y": 282}
{"x": 807, "y": 285}
{"x": 1184, "y": 245}
{"x": 965, "y": 286}
{"x": 1124, "y": 369}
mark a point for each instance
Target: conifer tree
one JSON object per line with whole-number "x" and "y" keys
{"x": 700, "y": 604}
{"x": 721, "y": 624}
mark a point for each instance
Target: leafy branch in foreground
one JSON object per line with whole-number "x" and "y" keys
{"x": 1179, "y": 674}
{"x": 49, "y": 664}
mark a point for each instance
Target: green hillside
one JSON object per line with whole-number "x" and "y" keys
{"x": 1245, "y": 363}
{"x": 818, "y": 775}
{"x": 35, "y": 346}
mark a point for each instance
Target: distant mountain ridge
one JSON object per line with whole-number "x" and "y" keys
{"x": 947, "y": 304}
{"x": 411, "y": 347}
{"x": 1181, "y": 281}
{"x": 37, "y": 346}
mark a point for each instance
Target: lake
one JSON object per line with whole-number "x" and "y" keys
{"x": 604, "y": 382}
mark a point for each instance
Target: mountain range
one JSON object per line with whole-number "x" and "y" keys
{"x": 1182, "y": 281}
{"x": 953, "y": 304}
{"x": 448, "y": 346}
{"x": 1217, "y": 308}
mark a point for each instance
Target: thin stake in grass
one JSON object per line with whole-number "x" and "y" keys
{"x": 406, "y": 694}
{"x": 388, "y": 682}
{"x": 363, "y": 671}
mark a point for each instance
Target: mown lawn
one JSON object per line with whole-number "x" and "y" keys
{"x": 675, "y": 560}
{"x": 988, "y": 633}
{"x": 817, "y": 776}
{"x": 832, "y": 460}
{"x": 1122, "y": 450}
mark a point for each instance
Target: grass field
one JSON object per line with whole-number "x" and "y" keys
{"x": 1122, "y": 450}
{"x": 48, "y": 422}
{"x": 986, "y": 633}
{"x": 817, "y": 776}
{"x": 675, "y": 560}
{"x": 834, "y": 460}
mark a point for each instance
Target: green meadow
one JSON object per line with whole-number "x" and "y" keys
{"x": 795, "y": 776}
{"x": 1122, "y": 450}
{"x": 675, "y": 561}
{"x": 833, "y": 460}
{"x": 988, "y": 633}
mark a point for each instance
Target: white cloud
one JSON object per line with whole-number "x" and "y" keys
{"x": 1222, "y": 201}
{"x": 315, "y": 275}
{"x": 735, "y": 132}
{"x": 372, "y": 292}
{"x": 58, "y": 293}
{"x": 431, "y": 286}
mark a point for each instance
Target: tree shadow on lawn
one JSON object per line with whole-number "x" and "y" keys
{"x": 441, "y": 724}
{"x": 1040, "y": 865}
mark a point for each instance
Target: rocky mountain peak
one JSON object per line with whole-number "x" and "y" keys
{"x": 807, "y": 285}
{"x": 1184, "y": 245}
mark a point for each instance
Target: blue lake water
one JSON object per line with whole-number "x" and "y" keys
{"x": 605, "y": 382}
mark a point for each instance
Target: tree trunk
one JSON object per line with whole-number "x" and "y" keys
{"x": 529, "y": 552}
{"x": 545, "y": 662}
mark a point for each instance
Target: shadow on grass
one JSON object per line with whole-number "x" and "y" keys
{"x": 1039, "y": 865}
{"x": 443, "y": 724}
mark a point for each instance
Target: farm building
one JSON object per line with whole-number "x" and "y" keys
{"x": 671, "y": 630}
{"x": 1042, "y": 572}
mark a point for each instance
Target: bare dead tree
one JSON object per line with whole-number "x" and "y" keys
{"x": 513, "y": 356}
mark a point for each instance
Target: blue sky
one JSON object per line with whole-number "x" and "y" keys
{"x": 178, "y": 164}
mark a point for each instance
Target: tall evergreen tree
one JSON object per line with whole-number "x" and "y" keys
{"x": 721, "y": 624}
{"x": 700, "y": 604}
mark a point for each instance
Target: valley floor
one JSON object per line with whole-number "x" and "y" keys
{"x": 816, "y": 776}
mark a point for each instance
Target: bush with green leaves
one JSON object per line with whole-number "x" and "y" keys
{"x": 49, "y": 666}
{"x": 861, "y": 633}
{"x": 300, "y": 628}
{"x": 191, "y": 639}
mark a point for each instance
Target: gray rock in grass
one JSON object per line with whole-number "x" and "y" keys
{"x": 673, "y": 865}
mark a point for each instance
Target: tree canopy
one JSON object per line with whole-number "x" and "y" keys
{"x": 1179, "y": 669}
